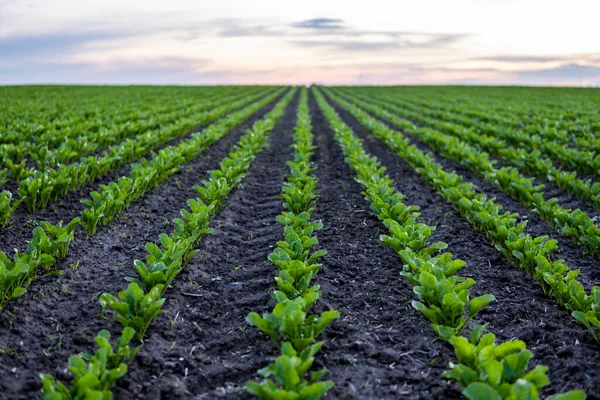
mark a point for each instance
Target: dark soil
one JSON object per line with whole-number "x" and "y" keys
{"x": 202, "y": 347}
{"x": 574, "y": 255}
{"x": 380, "y": 348}
{"x": 42, "y": 328}
{"x": 566, "y": 200}
{"x": 521, "y": 311}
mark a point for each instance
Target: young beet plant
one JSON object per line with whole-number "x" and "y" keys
{"x": 62, "y": 235}
{"x": 490, "y": 371}
{"x": 93, "y": 375}
{"x": 49, "y": 242}
{"x": 591, "y": 318}
{"x": 14, "y": 275}
{"x": 289, "y": 371}
{"x": 290, "y": 322}
{"x": 7, "y": 207}
{"x": 135, "y": 308}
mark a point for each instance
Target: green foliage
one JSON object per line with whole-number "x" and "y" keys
{"x": 289, "y": 371}
{"x": 15, "y": 275}
{"x": 591, "y": 318}
{"x": 135, "y": 308}
{"x": 61, "y": 235}
{"x": 162, "y": 265}
{"x": 289, "y": 320}
{"x": 289, "y": 325}
{"x": 7, "y": 207}
{"x": 487, "y": 370}
{"x": 93, "y": 374}
{"x": 49, "y": 243}
{"x": 446, "y": 301}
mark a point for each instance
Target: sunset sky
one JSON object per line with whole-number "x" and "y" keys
{"x": 279, "y": 42}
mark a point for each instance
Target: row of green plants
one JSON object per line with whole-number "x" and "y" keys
{"x": 532, "y": 254}
{"x": 137, "y": 306}
{"x": 533, "y": 162}
{"x": 562, "y": 118}
{"x": 48, "y": 244}
{"x": 43, "y": 187}
{"x": 49, "y": 110}
{"x": 290, "y": 325}
{"x": 578, "y": 130}
{"x": 74, "y": 127}
{"x": 575, "y": 224}
{"x": 115, "y": 197}
{"x": 93, "y": 141}
{"x": 584, "y": 160}
{"x": 78, "y": 130}
{"x": 485, "y": 369}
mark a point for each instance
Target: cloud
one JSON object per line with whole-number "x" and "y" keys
{"x": 159, "y": 70}
{"x": 327, "y": 28}
{"x": 411, "y": 41}
{"x": 570, "y": 72}
{"x": 257, "y": 31}
{"x": 126, "y": 69}
{"x": 346, "y": 45}
{"x": 320, "y": 23}
{"x": 519, "y": 58}
{"x": 14, "y": 47}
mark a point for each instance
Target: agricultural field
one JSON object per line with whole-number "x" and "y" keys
{"x": 294, "y": 243}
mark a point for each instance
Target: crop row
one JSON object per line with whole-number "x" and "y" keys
{"x": 552, "y": 126}
{"x": 485, "y": 369}
{"x": 532, "y": 254}
{"x": 136, "y": 307}
{"x": 289, "y": 325}
{"x": 575, "y": 224}
{"x": 530, "y": 161}
{"x": 570, "y": 119}
{"x": 41, "y": 188}
{"x": 116, "y": 196}
{"x": 91, "y": 140}
{"x": 43, "y": 123}
{"x": 585, "y": 161}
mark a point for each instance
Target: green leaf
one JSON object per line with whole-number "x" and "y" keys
{"x": 478, "y": 303}
{"x": 572, "y": 395}
{"x": 481, "y": 391}
{"x": 18, "y": 292}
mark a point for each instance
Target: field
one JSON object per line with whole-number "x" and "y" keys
{"x": 296, "y": 243}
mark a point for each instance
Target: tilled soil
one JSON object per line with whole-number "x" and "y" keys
{"x": 521, "y": 309}
{"x": 42, "y": 328}
{"x": 380, "y": 348}
{"x": 202, "y": 347}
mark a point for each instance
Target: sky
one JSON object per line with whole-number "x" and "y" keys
{"x": 375, "y": 42}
